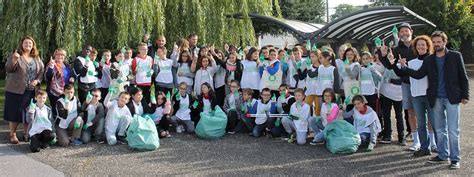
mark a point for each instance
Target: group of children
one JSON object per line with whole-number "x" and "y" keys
{"x": 272, "y": 92}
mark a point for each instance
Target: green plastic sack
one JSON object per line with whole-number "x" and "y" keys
{"x": 142, "y": 134}
{"x": 212, "y": 125}
{"x": 341, "y": 137}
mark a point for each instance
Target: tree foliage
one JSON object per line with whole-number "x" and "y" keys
{"x": 114, "y": 24}
{"x": 343, "y": 10}
{"x": 312, "y": 11}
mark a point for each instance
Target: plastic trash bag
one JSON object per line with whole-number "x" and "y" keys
{"x": 212, "y": 125}
{"x": 341, "y": 137}
{"x": 142, "y": 134}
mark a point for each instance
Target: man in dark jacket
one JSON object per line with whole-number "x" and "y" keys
{"x": 447, "y": 87}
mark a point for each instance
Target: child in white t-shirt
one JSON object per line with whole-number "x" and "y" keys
{"x": 40, "y": 123}
{"x": 118, "y": 118}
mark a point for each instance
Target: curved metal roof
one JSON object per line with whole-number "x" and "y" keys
{"x": 367, "y": 24}
{"x": 361, "y": 27}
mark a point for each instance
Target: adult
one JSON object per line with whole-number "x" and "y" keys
{"x": 57, "y": 75}
{"x": 160, "y": 42}
{"x": 447, "y": 87}
{"x": 405, "y": 50}
{"x": 193, "y": 48}
{"x": 87, "y": 72}
{"x": 24, "y": 75}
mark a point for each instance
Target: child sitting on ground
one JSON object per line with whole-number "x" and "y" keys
{"x": 40, "y": 123}
{"x": 70, "y": 118}
{"x": 329, "y": 113}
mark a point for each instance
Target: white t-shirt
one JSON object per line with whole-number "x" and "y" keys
{"x": 41, "y": 120}
{"x": 303, "y": 113}
{"x": 71, "y": 106}
{"x": 114, "y": 115}
{"x": 261, "y": 108}
{"x": 183, "y": 113}
{"x": 250, "y": 75}
{"x": 325, "y": 78}
{"x": 165, "y": 75}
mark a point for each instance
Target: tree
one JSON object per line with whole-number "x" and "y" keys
{"x": 113, "y": 24}
{"x": 343, "y": 10}
{"x": 312, "y": 11}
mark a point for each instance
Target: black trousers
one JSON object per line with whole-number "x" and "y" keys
{"x": 41, "y": 140}
{"x": 232, "y": 120}
{"x": 220, "y": 96}
{"x": 145, "y": 92}
{"x": 163, "y": 125}
{"x": 387, "y": 105}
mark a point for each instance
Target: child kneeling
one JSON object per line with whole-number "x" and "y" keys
{"x": 40, "y": 122}
{"x": 329, "y": 113}
{"x": 297, "y": 121}
{"x": 118, "y": 118}
{"x": 366, "y": 121}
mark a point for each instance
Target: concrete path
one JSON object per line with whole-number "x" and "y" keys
{"x": 13, "y": 163}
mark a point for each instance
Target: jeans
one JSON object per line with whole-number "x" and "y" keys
{"x": 98, "y": 130}
{"x": 258, "y": 130}
{"x": 423, "y": 113}
{"x": 188, "y": 124}
{"x": 367, "y": 138}
{"x": 317, "y": 126}
{"x": 245, "y": 125}
{"x": 446, "y": 126}
{"x": 289, "y": 126}
{"x": 387, "y": 104}
{"x": 63, "y": 137}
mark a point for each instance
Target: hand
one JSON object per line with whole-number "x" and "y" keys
{"x": 15, "y": 55}
{"x": 89, "y": 124}
{"x": 175, "y": 47}
{"x": 403, "y": 61}
{"x": 464, "y": 101}
{"x": 34, "y": 83}
{"x": 226, "y": 47}
{"x": 51, "y": 62}
{"x": 384, "y": 50}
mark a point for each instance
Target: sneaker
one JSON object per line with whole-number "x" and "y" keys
{"x": 455, "y": 165}
{"x": 231, "y": 132}
{"x": 409, "y": 137}
{"x": 421, "y": 153}
{"x": 291, "y": 139}
{"x": 371, "y": 147}
{"x": 386, "y": 140}
{"x": 403, "y": 142}
{"x": 122, "y": 139}
{"x": 179, "y": 129}
{"x": 437, "y": 160}
{"x": 414, "y": 147}
{"x": 434, "y": 149}
{"x": 314, "y": 142}
{"x": 76, "y": 142}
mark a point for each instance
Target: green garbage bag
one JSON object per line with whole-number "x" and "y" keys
{"x": 212, "y": 125}
{"x": 341, "y": 137}
{"x": 142, "y": 134}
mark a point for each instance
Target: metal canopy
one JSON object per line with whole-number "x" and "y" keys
{"x": 365, "y": 25}
{"x": 359, "y": 27}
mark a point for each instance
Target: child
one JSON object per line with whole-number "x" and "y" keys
{"x": 369, "y": 80}
{"x": 284, "y": 102}
{"x": 298, "y": 119}
{"x": 233, "y": 68}
{"x": 283, "y": 57}
{"x": 122, "y": 70}
{"x": 297, "y": 69}
{"x": 182, "y": 104}
{"x": 366, "y": 122}
{"x": 128, "y": 61}
{"x": 271, "y": 73}
{"x": 142, "y": 70}
{"x": 207, "y": 68}
{"x": 94, "y": 114}
{"x": 70, "y": 118}
{"x": 161, "y": 115}
{"x": 138, "y": 106}
{"x": 184, "y": 70}
{"x": 104, "y": 67}
{"x": 312, "y": 84}
{"x": 327, "y": 74}
{"x": 40, "y": 123}
{"x": 86, "y": 70}
{"x": 246, "y": 123}
{"x": 163, "y": 69}
{"x": 250, "y": 71}
{"x": 232, "y": 104}
{"x": 206, "y": 102}
{"x": 329, "y": 113}
{"x": 118, "y": 118}
{"x": 349, "y": 69}
{"x": 264, "y": 108}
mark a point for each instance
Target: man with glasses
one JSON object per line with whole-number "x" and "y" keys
{"x": 447, "y": 87}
